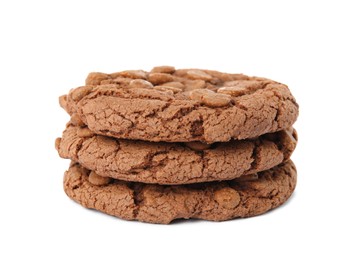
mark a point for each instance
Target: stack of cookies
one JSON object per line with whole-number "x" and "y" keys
{"x": 170, "y": 144}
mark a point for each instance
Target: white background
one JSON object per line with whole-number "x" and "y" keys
{"x": 48, "y": 47}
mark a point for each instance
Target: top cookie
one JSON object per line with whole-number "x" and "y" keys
{"x": 181, "y": 105}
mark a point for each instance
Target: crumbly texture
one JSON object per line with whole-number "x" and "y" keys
{"x": 161, "y": 204}
{"x": 174, "y": 163}
{"x": 183, "y": 105}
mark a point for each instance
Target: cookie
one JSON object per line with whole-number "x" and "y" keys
{"x": 181, "y": 105}
{"x": 154, "y": 203}
{"x": 174, "y": 163}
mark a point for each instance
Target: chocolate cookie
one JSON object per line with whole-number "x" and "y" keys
{"x": 161, "y": 204}
{"x": 174, "y": 163}
{"x": 181, "y": 105}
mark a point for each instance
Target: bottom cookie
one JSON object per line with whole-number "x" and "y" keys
{"x": 243, "y": 197}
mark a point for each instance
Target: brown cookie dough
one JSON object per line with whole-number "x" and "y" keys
{"x": 181, "y": 105}
{"x": 174, "y": 163}
{"x": 161, "y": 204}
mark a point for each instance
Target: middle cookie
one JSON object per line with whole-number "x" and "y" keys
{"x": 174, "y": 163}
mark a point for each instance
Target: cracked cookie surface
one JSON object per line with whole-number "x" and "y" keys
{"x": 183, "y": 105}
{"x": 218, "y": 201}
{"x": 174, "y": 163}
